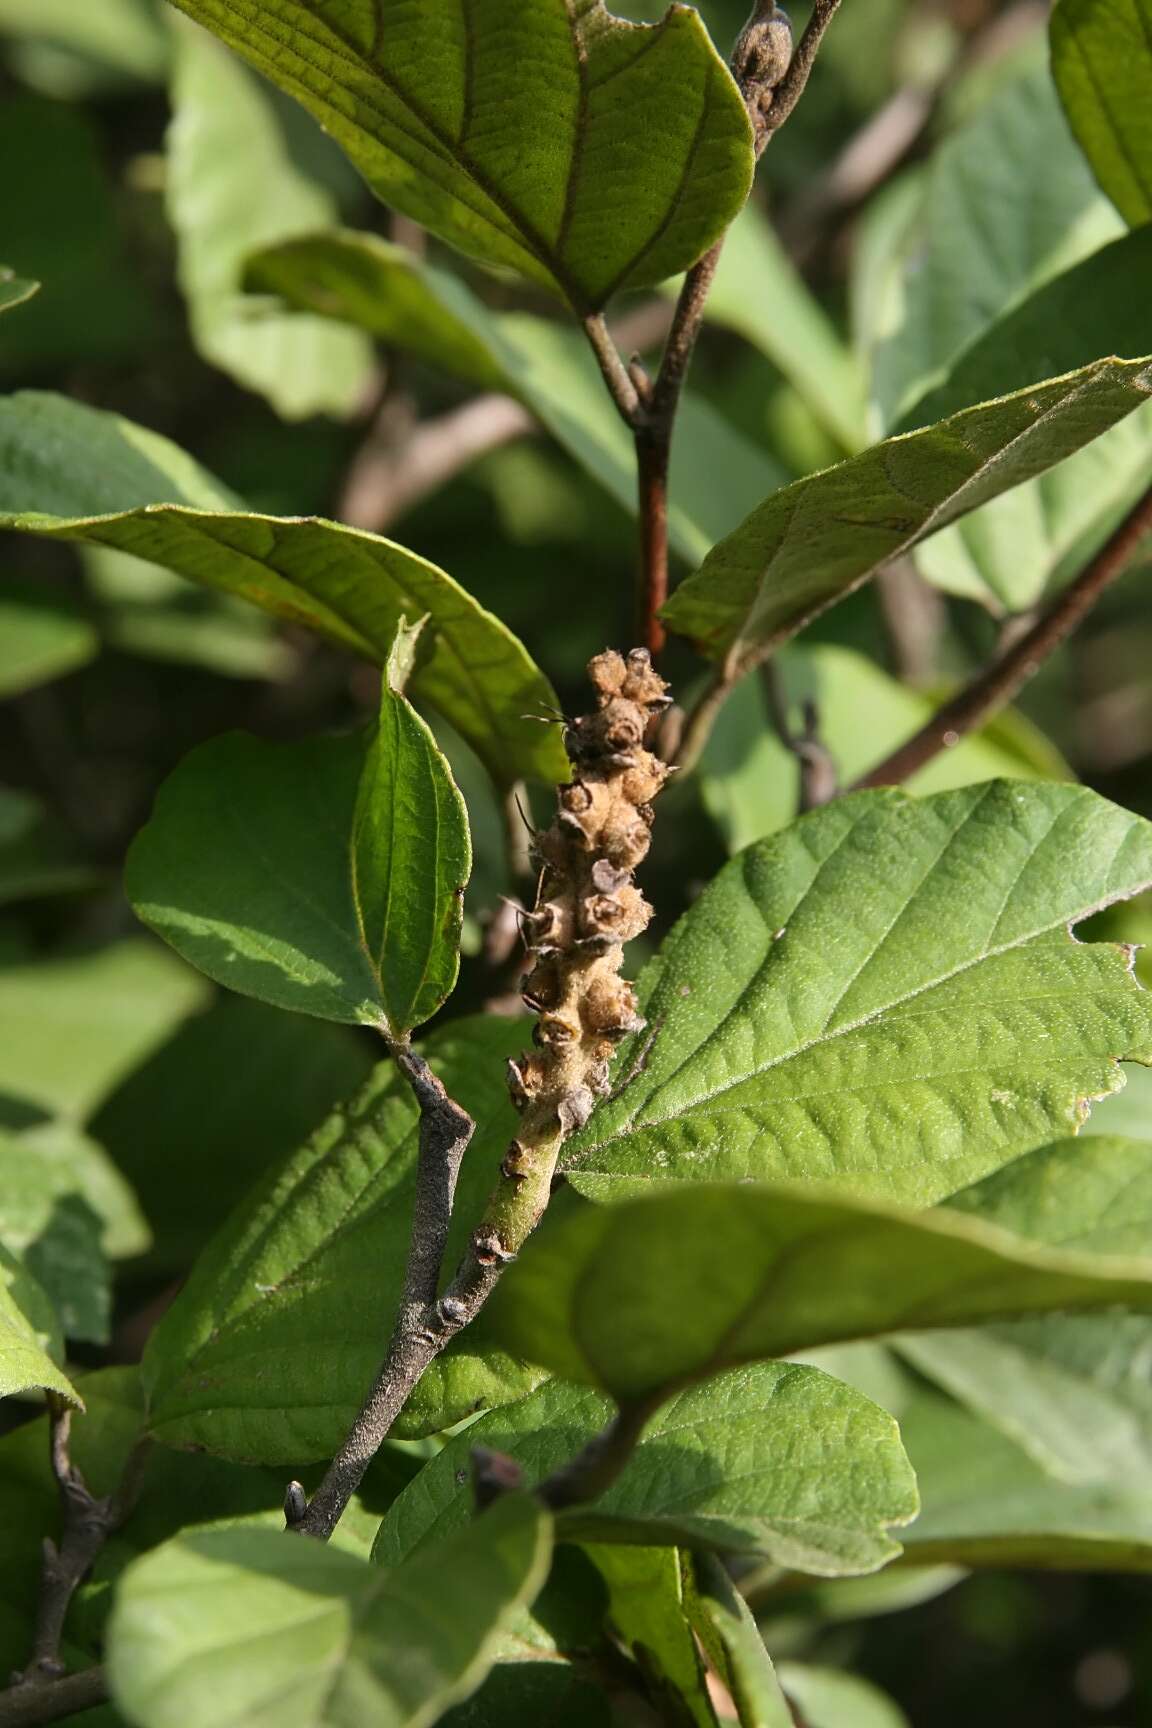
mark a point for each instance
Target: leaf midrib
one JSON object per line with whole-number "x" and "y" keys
{"x": 637, "y": 1125}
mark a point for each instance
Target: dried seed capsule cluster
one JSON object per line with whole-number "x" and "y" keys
{"x": 587, "y": 907}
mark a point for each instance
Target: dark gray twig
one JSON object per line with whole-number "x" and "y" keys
{"x": 792, "y": 85}
{"x": 818, "y": 777}
{"x": 29, "y": 1705}
{"x": 418, "y": 1334}
{"x": 595, "y": 1468}
{"x": 87, "y": 1522}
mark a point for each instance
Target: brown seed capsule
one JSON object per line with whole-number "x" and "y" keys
{"x": 543, "y": 986}
{"x": 556, "y": 1031}
{"x": 574, "y": 1110}
{"x": 516, "y": 1162}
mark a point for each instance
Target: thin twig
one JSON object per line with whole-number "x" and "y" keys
{"x": 417, "y": 1337}
{"x": 999, "y": 683}
{"x": 87, "y": 1522}
{"x": 585, "y": 911}
{"x": 761, "y": 68}
{"x": 390, "y": 474}
{"x": 616, "y": 375}
{"x": 791, "y": 87}
{"x": 27, "y": 1706}
{"x": 605, "y": 1457}
{"x": 818, "y": 776}
{"x": 701, "y": 716}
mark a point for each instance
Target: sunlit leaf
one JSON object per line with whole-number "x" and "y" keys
{"x": 29, "y": 1335}
{"x": 233, "y": 183}
{"x": 326, "y": 1638}
{"x": 776, "y": 1459}
{"x": 813, "y": 542}
{"x": 73, "y": 473}
{"x": 886, "y": 996}
{"x": 645, "y": 158}
{"x": 1102, "y": 64}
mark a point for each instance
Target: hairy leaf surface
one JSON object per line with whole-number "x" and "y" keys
{"x": 74, "y": 473}
{"x": 644, "y": 159}
{"x": 711, "y": 1275}
{"x": 326, "y": 1640}
{"x": 776, "y": 1459}
{"x": 1102, "y": 64}
{"x": 813, "y": 542}
{"x": 886, "y": 996}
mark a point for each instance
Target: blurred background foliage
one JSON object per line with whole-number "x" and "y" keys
{"x": 925, "y": 184}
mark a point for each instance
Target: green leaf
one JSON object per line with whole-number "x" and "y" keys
{"x": 724, "y": 1624}
{"x": 29, "y": 1335}
{"x": 176, "y": 1490}
{"x": 223, "y": 1122}
{"x": 352, "y": 914}
{"x": 777, "y": 1459}
{"x": 645, "y": 159}
{"x": 711, "y": 1275}
{"x": 262, "y": 1357}
{"x": 1037, "y": 536}
{"x": 411, "y": 856}
{"x": 124, "y": 35}
{"x": 829, "y": 1698}
{"x": 401, "y": 299}
{"x": 1061, "y": 325}
{"x": 326, "y": 1638}
{"x": 71, "y": 1029}
{"x": 813, "y": 542}
{"x": 73, "y": 473}
{"x": 64, "y": 1209}
{"x": 717, "y": 475}
{"x": 750, "y": 782}
{"x": 987, "y": 1503}
{"x": 758, "y": 292}
{"x": 1073, "y": 1391}
{"x": 646, "y": 1610}
{"x": 233, "y": 183}
{"x": 40, "y": 639}
{"x": 981, "y": 240}
{"x": 1102, "y": 64}
{"x": 14, "y": 290}
{"x": 886, "y": 996}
